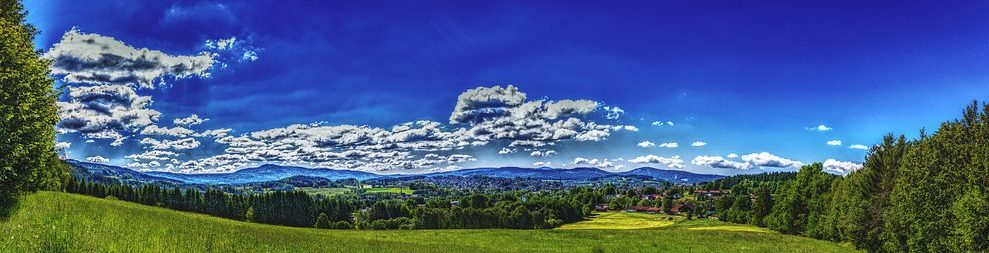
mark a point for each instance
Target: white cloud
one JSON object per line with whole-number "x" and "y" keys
{"x": 660, "y": 123}
{"x": 541, "y": 164}
{"x": 672, "y": 162}
{"x": 97, "y": 159}
{"x": 105, "y": 108}
{"x": 96, "y": 59}
{"x": 646, "y": 144}
{"x": 192, "y": 120}
{"x": 546, "y": 153}
{"x": 215, "y": 133}
{"x": 669, "y": 145}
{"x": 613, "y": 112}
{"x": 62, "y": 145}
{"x": 598, "y": 163}
{"x": 175, "y": 131}
{"x": 732, "y": 155}
{"x": 233, "y": 49}
{"x": 478, "y": 104}
{"x": 820, "y": 128}
{"x": 180, "y": 144}
{"x": 839, "y": 167}
{"x": 584, "y": 161}
{"x": 698, "y": 144}
{"x": 719, "y": 162}
{"x": 503, "y": 113}
{"x": 858, "y": 146}
{"x": 161, "y": 155}
{"x": 221, "y": 44}
{"x": 482, "y": 116}
{"x": 834, "y": 142}
{"x": 765, "y": 159}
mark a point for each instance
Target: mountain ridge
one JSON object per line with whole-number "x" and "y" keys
{"x": 272, "y": 172}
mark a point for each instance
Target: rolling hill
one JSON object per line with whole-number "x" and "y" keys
{"x": 60, "y": 222}
{"x": 271, "y": 172}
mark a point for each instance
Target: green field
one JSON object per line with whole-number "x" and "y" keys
{"x": 59, "y": 222}
{"x": 325, "y": 191}
{"x": 623, "y": 220}
{"x": 396, "y": 190}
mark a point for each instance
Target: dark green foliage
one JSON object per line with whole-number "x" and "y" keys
{"x": 28, "y": 112}
{"x": 297, "y": 208}
{"x": 925, "y": 195}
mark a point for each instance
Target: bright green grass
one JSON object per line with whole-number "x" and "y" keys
{"x": 623, "y": 220}
{"x": 325, "y": 191}
{"x": 396, "y": 190}
{"x": 59, "y": 222}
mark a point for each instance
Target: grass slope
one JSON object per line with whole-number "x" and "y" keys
{"x": 59, "y": 222}
{"x": 622, "y": 220}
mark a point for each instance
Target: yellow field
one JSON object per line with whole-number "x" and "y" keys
{"x": 623, "y": 220}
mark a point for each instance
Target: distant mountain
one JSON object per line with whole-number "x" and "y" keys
{"x": 268, "y": 172}
{"x": 95, "y": 172}
{"x": 676, "y": 176}
{"x": 543, "y": 173}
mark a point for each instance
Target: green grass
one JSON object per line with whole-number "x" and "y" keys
{"x": 325, "y": 191}
{"x": 623, "y": 220}
{"x": 59, "y": 222}
{"x": 395, "y": 190}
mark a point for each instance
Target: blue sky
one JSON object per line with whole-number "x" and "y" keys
{"x": 742, "y": 78}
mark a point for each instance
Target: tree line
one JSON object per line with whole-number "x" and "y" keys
{"x": 518, "y": 210}
{"x": 923, "y": 195}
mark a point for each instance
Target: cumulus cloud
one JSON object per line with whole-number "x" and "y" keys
{"x": 732, "y": 155}
{"x": 230, "y": 50}
{"x": 105, "y": 108}
{"x": 61, "y": 148}
{"x": 669, "y": 145}
{"x": 97, "y": 159}
{"x": 483, "y": 115}
{"x": 613, "y": 112}
{"x": 541, "y": 164}
{"x": 698, "y": 144}
{"x": 720, "y": 162}
{"x": 660, "y": 123}
{"x": 159, "y": 155}
{"x": 476, "y": 105}
{"x": 858, "y": 146}
{"x": 540, "y": 153}
{"x": 839, "y": 167}
{"x": 96, "y": 59}
{"x": 62, "y": 145}
{"x": 175, "y": 131}
{"x": 598, "y": 163}
{"x": 765, "y": 159}
{"x": 192, "y": 120}
{"x": 672, "y": 162}
{"x": 646, "y": 144}
{"x": 214, "y": 133}
{"x": 503, "y": 113}
{"x": 820, "y": 128}
{"x": 180, "y": 144}
{"x": 834, "y": 142}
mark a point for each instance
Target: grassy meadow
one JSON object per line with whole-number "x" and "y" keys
{"x": 396, "y": 190}
{"x": 623, "y": 220}
{"x": 59, "y": 222}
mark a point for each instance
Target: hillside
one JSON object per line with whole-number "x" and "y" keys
{"x": 59, "y": 222}
{"x": 271, "y": 172}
